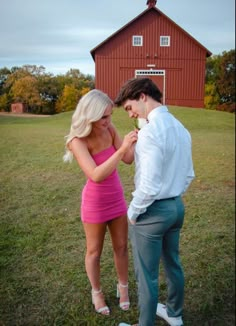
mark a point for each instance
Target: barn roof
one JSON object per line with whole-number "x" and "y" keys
{"x": 208, "y": 53}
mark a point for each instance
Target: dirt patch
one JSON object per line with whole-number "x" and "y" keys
{"x": 24, "y": 115}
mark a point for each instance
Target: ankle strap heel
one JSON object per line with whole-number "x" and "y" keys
{"x": 124, "y": 305}
{"x": 97, "y": 297}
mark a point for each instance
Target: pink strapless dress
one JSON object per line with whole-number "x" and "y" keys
{"x": 103, "y": 201}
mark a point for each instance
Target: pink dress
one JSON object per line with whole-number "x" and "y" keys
{"x": 103, "y": 201}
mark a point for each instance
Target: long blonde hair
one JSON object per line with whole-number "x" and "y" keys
{"x": 90, "y": 108}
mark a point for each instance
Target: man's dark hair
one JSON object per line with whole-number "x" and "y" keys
{"x": 133, "y": 88}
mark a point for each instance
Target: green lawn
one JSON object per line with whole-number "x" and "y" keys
{"x": 42, "y": 244}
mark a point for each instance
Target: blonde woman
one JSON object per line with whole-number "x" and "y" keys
{"x": 97, "y": 147}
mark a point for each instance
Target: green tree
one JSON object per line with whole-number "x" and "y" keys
{"x": 5, "y": 98}
{"x": 49, "y": 90}
{"x": 34, "y": 70}
{"x": 79, "y": 80}
{"x": 226, "y": 79}
{"x": 212, "y": 69}
{"x": 4, "y": 73}
{"x": 4, "y": 102}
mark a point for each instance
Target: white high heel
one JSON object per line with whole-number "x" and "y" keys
{"x": 103, "y": 310}
{"x": 125, "y": 304}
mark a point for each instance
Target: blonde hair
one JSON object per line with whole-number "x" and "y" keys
{"x": 90, "y": 108}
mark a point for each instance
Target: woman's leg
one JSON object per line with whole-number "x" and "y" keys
{"x": 95, "y": 234}
{"x": 118, "y": 229}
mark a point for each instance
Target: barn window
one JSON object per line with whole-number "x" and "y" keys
{"x": 164, "y": 40}
{"x": 137, "y": 40}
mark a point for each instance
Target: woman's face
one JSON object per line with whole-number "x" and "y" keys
{"x": 105, "y": 121}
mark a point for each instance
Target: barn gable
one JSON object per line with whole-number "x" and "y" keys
{"x": 177, "y": 66}
{"x": 139, "y": 21}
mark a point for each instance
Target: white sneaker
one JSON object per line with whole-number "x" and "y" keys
{"x": 124, "y": 324}
{"x": 172, "y": 321}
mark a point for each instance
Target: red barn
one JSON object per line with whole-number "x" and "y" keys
{"x": 154, "y": 46}
{"x": 18, "y": 108}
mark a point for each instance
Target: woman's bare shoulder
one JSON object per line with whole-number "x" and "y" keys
{"x": 78, "y": 142}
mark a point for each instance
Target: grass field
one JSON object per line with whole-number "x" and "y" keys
{"x": 43, "y": 279}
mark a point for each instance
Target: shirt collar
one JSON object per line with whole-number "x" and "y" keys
{"x": 158, "y": 109}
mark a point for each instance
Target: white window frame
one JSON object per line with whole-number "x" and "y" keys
{"x": 139, "y": 72}
{"x": 164, "y": 40}
{"x": 137, "y": 40}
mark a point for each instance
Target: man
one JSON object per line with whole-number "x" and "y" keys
{"x": 163, "y": 172}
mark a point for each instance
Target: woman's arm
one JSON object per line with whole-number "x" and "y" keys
{"x": 117, "y": 141}
{"x": 97, "y": 173}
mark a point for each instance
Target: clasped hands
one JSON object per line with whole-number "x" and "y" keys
{"x": 131, "y": 137}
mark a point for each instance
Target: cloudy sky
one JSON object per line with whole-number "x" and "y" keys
{"x": 59, "y": 34}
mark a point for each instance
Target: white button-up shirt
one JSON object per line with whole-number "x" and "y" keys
{"x": 163, "y": 161}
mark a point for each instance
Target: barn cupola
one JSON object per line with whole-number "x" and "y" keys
{"x": 151, "y": 3}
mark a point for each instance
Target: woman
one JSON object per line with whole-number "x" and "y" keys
{"x": 96, "y": 145}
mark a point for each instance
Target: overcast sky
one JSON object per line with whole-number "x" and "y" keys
{"x": 59, "y": 34}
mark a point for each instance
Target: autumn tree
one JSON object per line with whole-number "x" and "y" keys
{"x": 76, "y": 85}
{"x": 211, "y": 99}
{"x": 68, "y": 99}
{"x": 16, "y": 74}
{"x": 25, "y": 90}
{"x": 40, "y": 91}
{"x": 220, "y": 82}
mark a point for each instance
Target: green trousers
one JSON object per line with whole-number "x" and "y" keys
{"x": 155, "y": 236}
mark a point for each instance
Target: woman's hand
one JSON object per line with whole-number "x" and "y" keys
{"x": 129, "y": 140}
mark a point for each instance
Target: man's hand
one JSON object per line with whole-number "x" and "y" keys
{"x": 133, "y": 222}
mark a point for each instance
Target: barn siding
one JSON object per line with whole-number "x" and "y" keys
{"x": 18, "y": 108}
{"x": 183, "y": 62}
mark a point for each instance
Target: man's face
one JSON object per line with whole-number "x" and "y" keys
{"x": 136, "y": 108}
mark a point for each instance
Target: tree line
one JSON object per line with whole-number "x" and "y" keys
{"x": 220, "y": 82}
{"x": 41, "y": 92}
{"x": 44, "y": 93}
